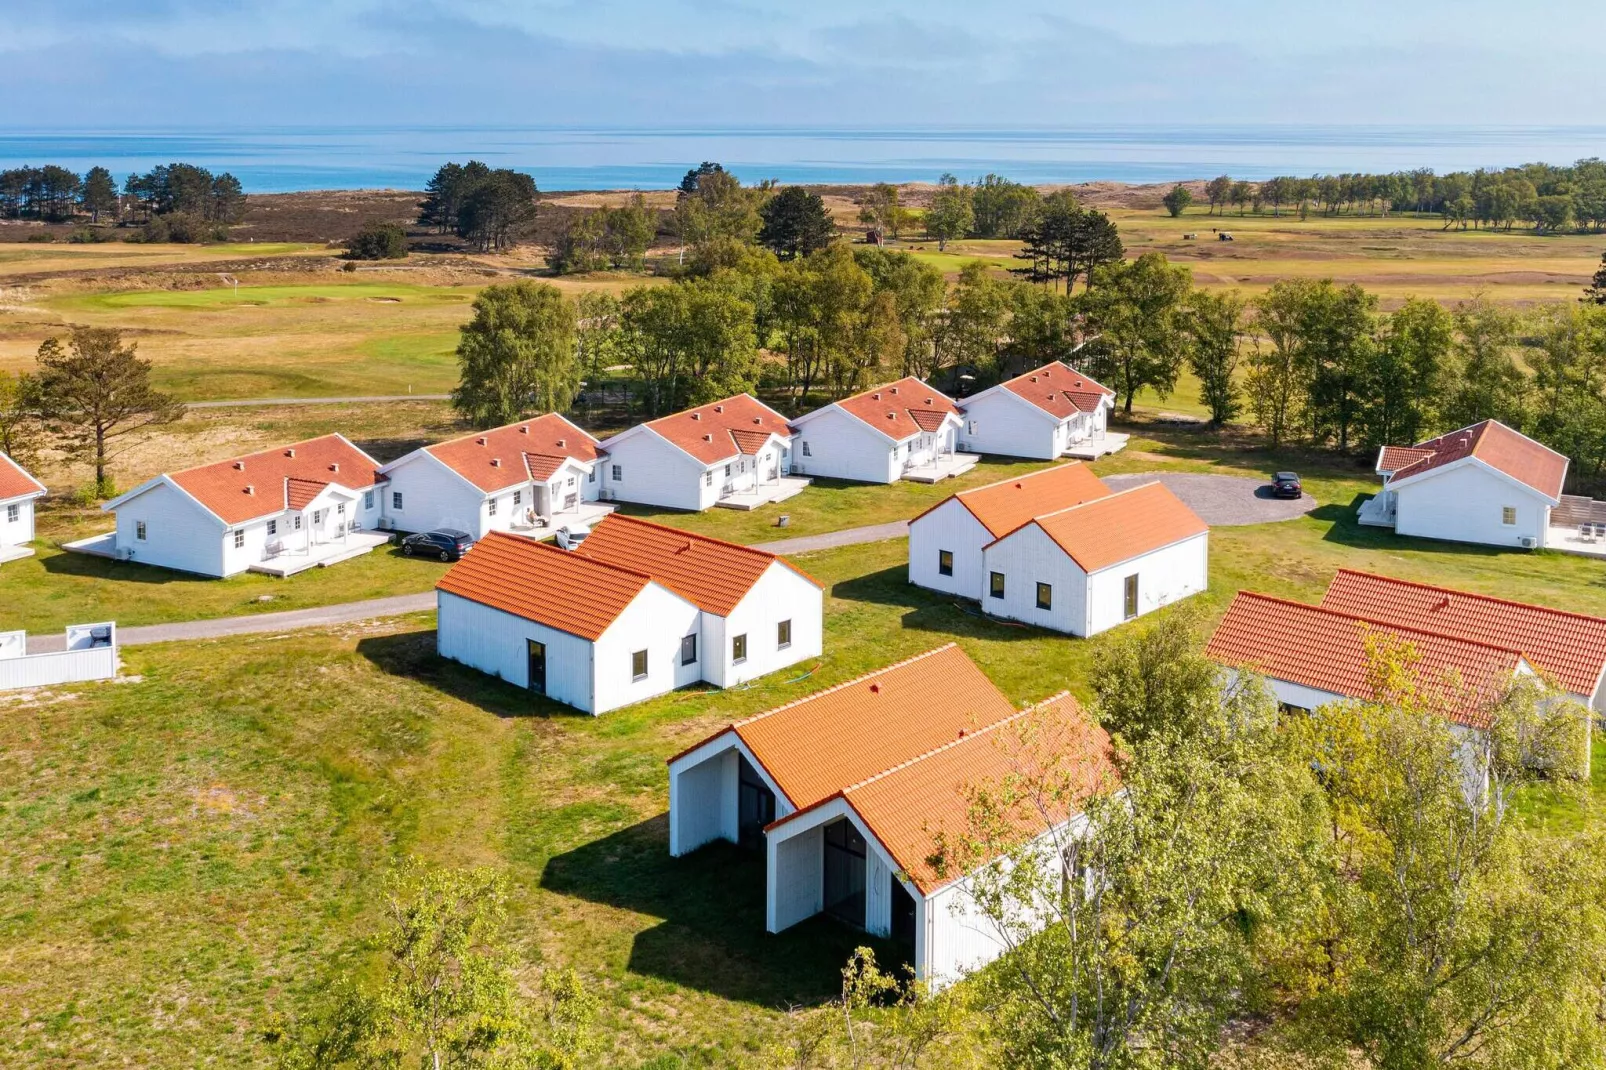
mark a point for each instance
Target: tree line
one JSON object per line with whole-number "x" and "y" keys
{"x": 1545, "y": 197}
{"x": 54, "y": 194}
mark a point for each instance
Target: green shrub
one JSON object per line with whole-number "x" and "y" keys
{"x": 42, "y": 236}
{"x": 378, "y": 241}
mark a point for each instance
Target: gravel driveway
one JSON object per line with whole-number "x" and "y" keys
{"x": 1222, "y": 501}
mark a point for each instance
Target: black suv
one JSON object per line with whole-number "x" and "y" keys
{"x": 1286, "y": 485}
{"x": 448, "y": 544}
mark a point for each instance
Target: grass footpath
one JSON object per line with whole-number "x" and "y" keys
{"x": 188, "y": 851}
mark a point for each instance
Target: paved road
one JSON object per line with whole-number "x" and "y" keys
{"x": 264, "y": 402}
{"x": 347, "y": 612}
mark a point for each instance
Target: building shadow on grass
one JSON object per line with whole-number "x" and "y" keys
{"x": 932, "y": 611}
{"x": 1347, "y": 530}
{"x": 710, "y": 905}
{"x": 93, "y": 567}
{"x": 412, "y": 655}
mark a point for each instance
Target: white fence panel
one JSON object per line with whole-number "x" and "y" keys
{"x": 90, "y": 654}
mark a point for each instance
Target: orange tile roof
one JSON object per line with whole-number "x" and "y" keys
{"x": 505, "y": 457}
{"x": 1121, "y": 526}
{"x": 255, "y": 485}
{"x": 1567, "y": 646}
{"x": 539, "y": 582}
{"x": 910, "y": 807}
{"x": 1326, "y": 650}
{"x": 1059, "y": 390}
{"x": 1498, "y": 446}
{"x": 710, "y": 573}
{"x": 721, "y": 430}
{"x": 816, "y": 746}
{"x": 15, "y": 482}
{"x": 1006, "y": 505}
{"x": 1394, "y": 458}
{"x": 901, "y": 409}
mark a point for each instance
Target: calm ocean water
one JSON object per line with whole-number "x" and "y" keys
{"x": 288, "y": 159}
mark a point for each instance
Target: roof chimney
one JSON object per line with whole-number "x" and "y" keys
{"x": 249, "y": 489}
{"x": 496, "y": 462}
{"x": 1034, "y": 378}
{"x": 892, "y": 416}
{"x": 928, "y": 401}
{"x": 719, "y": 408}
{"x": 239, "y": 466}
{"x": 696, "y": 416}
{"x": 335, "y": 467}
{"x": 875, "y": 689}
{"x": 291, "y": 452}
{"x": 876, "y": 395}
{"x": 894, "y": 390}
{"x": 708, "y": 438}
{"x": 480, "y": 441}
{"x": 562, "y": 443}
{"x": 758, "y": 420}
{"x": 524, "y": 429}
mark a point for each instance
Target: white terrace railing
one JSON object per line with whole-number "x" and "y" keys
{"x": 90, "y": 653}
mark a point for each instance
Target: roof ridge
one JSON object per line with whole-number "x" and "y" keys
{"x": 1016, "y": 479}
{"x": 1096, "y": 501}
{"x": 838, "y": 687}
{"x": 963, "y": 737}
{"x": 503, "y": 427}
{"x": 1374, "y": 622}
{"x": 268, "y": 449}
{"x": 546, "y": 547}
{"x": 691, "y": 535}
{"x": 1466, "y": 594}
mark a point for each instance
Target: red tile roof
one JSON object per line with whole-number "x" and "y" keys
{"x": 1567, "y": 646}
{"x": 539, "y": 582}
{"x": 1058, "y": 390}
{"x": 1121, "y": 526}
{"x": 1006, "y": 505}
{"x": 15, "y": 482}
{"x": 1326, "y": 650}
{"x": 255, "y": 485}
{"x": 912, "y": 806}
{"x": 505, "y": 457}
{"x": 722, "y": 429}
{"x": 1393, "y": 458}
{"x": 710, "y": 573}
{"x": 901, "y": 409}
{"x": 816, "y": 746}
{"x": 1498, "y": 446}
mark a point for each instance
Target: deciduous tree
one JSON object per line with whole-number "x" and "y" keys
{"x": 1137, "y": 311}
{"x": 950, "y": 215}
{"x": 94, "y": 393}
{"x": 1405, "y": 378}
{"x": 517, "y": 354}
{"x": 1177, "y": 200}
{"x": 1215, "y": 325}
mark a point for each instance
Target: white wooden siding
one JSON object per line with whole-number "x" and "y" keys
{"x": 19, "y": 531}
{"x": 180, "y": 534}
{"x": 433, "y": 496}
{"x": 780, "y": 594}
{"x": 950, "y": 526}
{"x": 1166, "y": 575}
{"x": 495, "y": 643}
{"x": 1001, "y": 422}
{"x": 795, "y": 886}
{"x": 842, "y": 446}
{"x": 1026, "y": 558}
{"x": 654, "y": 471}
{"x": 655, "y": 621}
{"x": 1463, "y": 504}
{"x": 702, "y": 802}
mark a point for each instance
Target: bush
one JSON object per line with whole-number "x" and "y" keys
{"x": 378, "y": 241}
{"x": 89, "y": 236}
{"x": 42, "y": 236}
{"x": 349, "y": 265}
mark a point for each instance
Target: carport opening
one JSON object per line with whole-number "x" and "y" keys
{"x": 756, "y": 806}
{"x": 844, "y": 872}
{"x": 903, "y": 914}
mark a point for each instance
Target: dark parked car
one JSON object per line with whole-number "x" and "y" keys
{"x": 1286, "y": 485}
{"x": 448, "y": 544}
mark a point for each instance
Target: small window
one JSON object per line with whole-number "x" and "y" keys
{"x": 688, "y": 649}
{"x": 638, "y": 665}
{"x": 1508, "y": 515}
{"x": 273, "y": 527}
{"x": 618, "y": 473}
{"x": 1130, "y": 609}
{"x": 945, "y": 562}
{"x": 591, "y": 476}
{"x": 298, "y": 522}
{"x": 1045, "y": 596}
{"x": 139, "y": 530}
{"x": 368, "y": 499}
{"x": 806, "y": 452}
{"x": 783, "y": 635}
{"x": 341, "y": 508}
{"x": 571, "y": 481}
{"x": 395, "y": 499}
{"x": 491, "y": 507}
{"x": 13, "y": 513}
{"x": 518, "y": 496}
{"x": 727, "y": 471}
{"x": 708, "y": 479}
{"x": 239, "y": 538}
{"x": 996, "y": 585}
{"x": 739, "y": 649}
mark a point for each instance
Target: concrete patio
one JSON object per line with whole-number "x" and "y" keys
{"x": 14, "y": 553}
{"x": 323, "y": 554}
{"x": 765, "y": 494}
{"x": 1091, "y": 449}
{"x": 588, "y": 513}
{"x": 945, "y": 467}
{"x": 1572, "y": 541}
{"x": 1377, "y": 511}
{"x": 102, "y": 545}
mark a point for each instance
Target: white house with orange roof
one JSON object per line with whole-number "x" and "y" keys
{"x": 946, "y": 542}
{"x": 1485, "y": 484}
{"x": 735, "y": 453}
{"x": 18, "y": 492}
{"x": 903, "y": 430}
{"x": 523, "y": 478}
{"x": 850, "y": 791}
{"x": 638, "y": 609}
{"x": 1089, "y": 567}
{"x": 1052, "y": 411}
{"x": 277, "y": 511}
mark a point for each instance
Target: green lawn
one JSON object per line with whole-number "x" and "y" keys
{"x": 212, "y": 833}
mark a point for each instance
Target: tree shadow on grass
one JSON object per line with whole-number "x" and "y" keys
{"x": 933, "y": 611}
{"x": 412, "y": 655}
{"x": 710, "y": 905}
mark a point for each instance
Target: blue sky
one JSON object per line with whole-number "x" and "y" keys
{"x": 209, "y": 63}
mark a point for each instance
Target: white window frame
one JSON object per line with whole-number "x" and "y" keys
{"x": 618, "y": 473}
{"x": 273, "y": 527}
{"x": 738, "y": 642}
{"x": 239, "y": 538}
{"x": 396, "y": 499}
{"x": 688, "y": 641}
{"x": 139, "y": 530}
{"x": 783, "y": 634}
{"x": 490, "y": 507}
{"x": 367, "y": 499}
{"x": 635, "y": 656}
{"x": 1508, "y": 516}
{"x": 13, "y": 512}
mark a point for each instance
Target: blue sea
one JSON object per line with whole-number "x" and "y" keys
{"x": 275, "y": 160}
